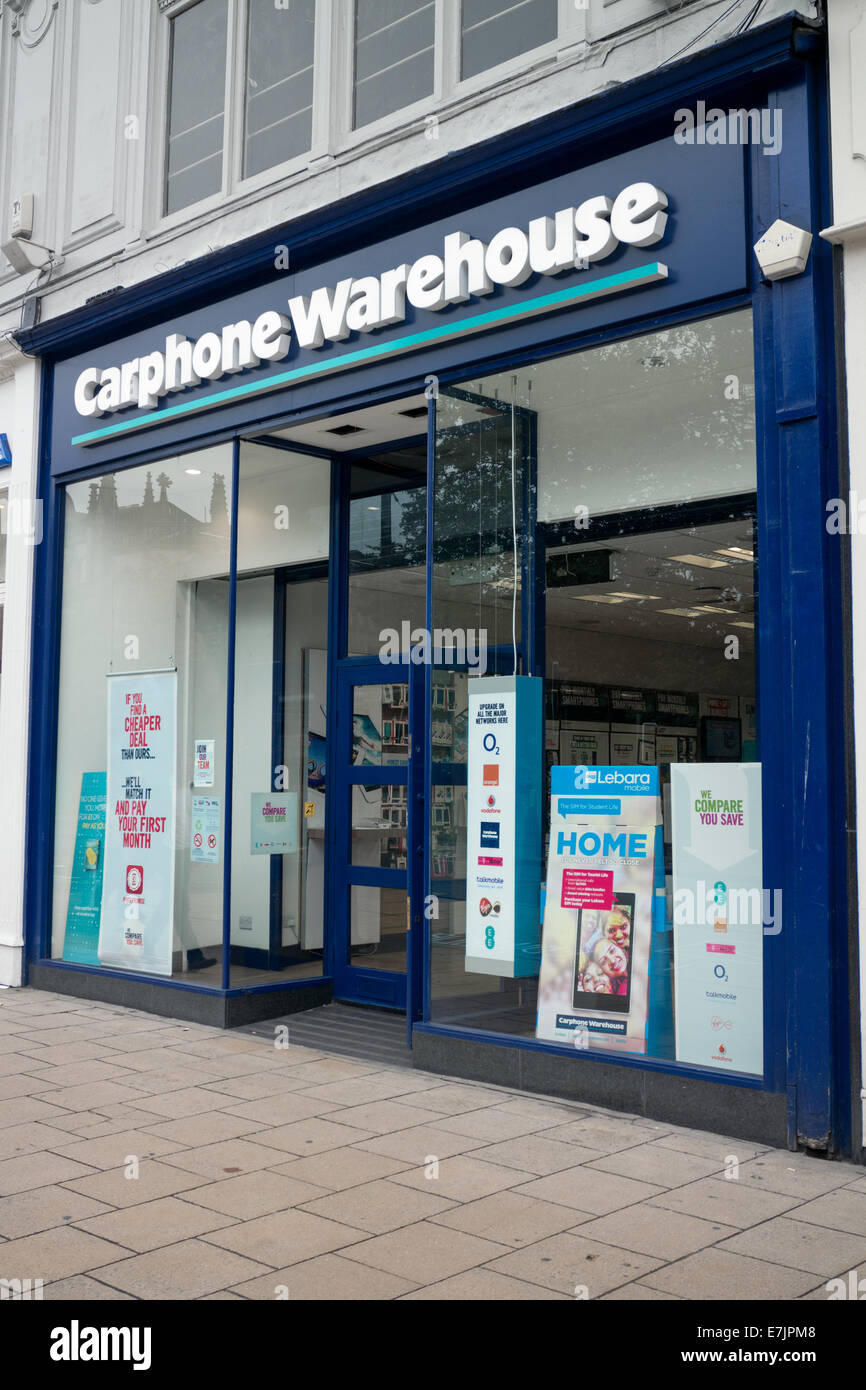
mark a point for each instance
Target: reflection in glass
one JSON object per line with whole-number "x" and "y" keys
{"x": 387, "y": 551}
{"x": 393, "y": 55}
{"x": 194, "y": 155}
{"x": 496, "y": 30}
{"x": 279, "y": 86}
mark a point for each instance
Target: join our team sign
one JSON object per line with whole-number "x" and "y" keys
{"x": 136, "y": 925}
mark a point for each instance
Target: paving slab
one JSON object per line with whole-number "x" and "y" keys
{"x": 54, "y": 1253}
{"x": 801, "y": 1245}
{"x": 329, "y": 1278}
{"x": 38, "y": 1210}
{"x": 483, "y": 1285}
{"x": 311, "y": 1136}
{"x": 650, "y": 1230}
{"x": 842, "y": 1210}
{"x": 575, "y": 1266}
{"x": 187, "y": 1270}
{"x": 732, "y": 1203}
{"x": 117, "y": 1189}
{"x": 254, "y": 1194}
{"x": 588, "y": 1190}
{"x": 286, "y": 1237}
{"x": 379, "y": 1206}
{"x": 150, "y": 1225}
{"x": 720, "y": 1274}
{"x": 508, "y": 1218}
{"x": 337, "y": 1169}
{"x": 37, "y": 1170}
{"x": 424, "y": 1253}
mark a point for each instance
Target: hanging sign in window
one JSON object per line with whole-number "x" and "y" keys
{"x": 137, "y": 922}
{"x": 503, "y": 825}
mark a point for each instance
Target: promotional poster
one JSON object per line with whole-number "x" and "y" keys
{"x": 604, "y": 869}
{"x": 136, "y": 927}
{"x": 718, "y": 910}
{"x": 503, "y": 849}
{"x": 85, "y": 889}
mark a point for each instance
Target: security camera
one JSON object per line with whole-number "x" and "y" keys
{"x": 783, "y": 250}
{"x": 25, "y": 256}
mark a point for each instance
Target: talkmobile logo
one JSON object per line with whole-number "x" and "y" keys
{"x": 77, "y": 1343}
{"x": 596, "y": 777}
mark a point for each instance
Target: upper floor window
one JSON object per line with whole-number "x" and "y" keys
{"x": 275, "y": 111}
{"x": 196, "y": 104}
{"x": 245, "y": 93}
{"x": 394, "y": 44}
{"x": 278, "y": 115}
{"x": 492, "y": 31}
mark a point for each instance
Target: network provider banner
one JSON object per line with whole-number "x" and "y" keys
{"x": 718, "y": 909}
{"x": 136, "y": 926}
{"x": 85, "y": 888}
{"x": 605, "y": 889}
{"x": 503, "y": 825}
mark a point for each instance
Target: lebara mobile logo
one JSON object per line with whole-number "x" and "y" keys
{"x": 595, "y": 776}
{"x": 134, "y": 878}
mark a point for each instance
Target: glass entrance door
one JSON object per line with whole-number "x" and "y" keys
{"x": 378, "y": 833}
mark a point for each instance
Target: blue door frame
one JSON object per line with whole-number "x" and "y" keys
{"x": 352, "y": 982}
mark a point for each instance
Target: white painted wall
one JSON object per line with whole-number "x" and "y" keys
{"x": 19, "y": 398}
{"x": 847, "y": 40}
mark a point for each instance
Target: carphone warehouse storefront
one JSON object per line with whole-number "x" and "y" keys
{"x": 481, "y": 548}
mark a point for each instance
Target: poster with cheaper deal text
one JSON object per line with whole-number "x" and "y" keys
{"x": 137, "y": 920}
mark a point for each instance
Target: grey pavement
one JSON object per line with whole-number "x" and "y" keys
{"x": 145, "y": 1158}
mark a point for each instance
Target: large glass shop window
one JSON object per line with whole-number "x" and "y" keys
{"x": 613, "y": 900}
{"x": 140, "y": 791}
{"x": 140, "y": 840}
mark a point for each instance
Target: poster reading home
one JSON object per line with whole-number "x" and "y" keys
{"x": 136, "y": 926}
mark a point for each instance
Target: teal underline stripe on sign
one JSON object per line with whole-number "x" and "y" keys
{"x": 608, "y": 284}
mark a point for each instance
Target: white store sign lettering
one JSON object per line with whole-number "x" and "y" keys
{"x": 468, "y": 267}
